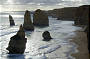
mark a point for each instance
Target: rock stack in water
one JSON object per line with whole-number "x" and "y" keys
{"x": 40, "y": 18}
{"x": 17, "y": 43}
{"x": 46, "y": 36}
{"x": 28, "y": 25}
{"x": 11, "y": 20}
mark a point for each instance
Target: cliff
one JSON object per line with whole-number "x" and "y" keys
{"x": 66, "y": 13}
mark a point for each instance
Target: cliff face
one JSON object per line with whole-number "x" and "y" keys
{"x": 82, "y": 15}
{"x": 66, "y": 13}
{"x": 82, "y": 18}
{"x": 63, "y": 13}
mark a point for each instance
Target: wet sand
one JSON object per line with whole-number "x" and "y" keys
{"x": 82, "y": 45}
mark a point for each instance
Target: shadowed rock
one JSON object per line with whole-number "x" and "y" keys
{"x": 82, "y": 15}
{"x": 11, "y": 20}
{"x": 66, "y": 13}
{"x": 82, "y": 19}
{"x": 28, "y": 25}
{"x": 46, "y": 36}
{"x": 40, "y": 18}
{"x": 17, "y": 43}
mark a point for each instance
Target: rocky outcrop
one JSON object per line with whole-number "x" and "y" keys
{"x": 17, "y": 43}
{"x": 46, "y": 36}
{"x": 40, "y": 18}
{"x": 11, "y": 20}
{"x": 28, "y": 25}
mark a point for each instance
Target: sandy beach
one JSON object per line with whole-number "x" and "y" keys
{"x": 82, "y": 45}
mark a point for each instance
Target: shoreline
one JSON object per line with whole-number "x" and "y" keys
{"x": 82, "y": 45}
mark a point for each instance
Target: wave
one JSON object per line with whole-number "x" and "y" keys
{"x": 52, "y": 49}
{"x": 7, "y": 33}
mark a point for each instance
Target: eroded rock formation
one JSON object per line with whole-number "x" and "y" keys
{"x": 28, "y": 25}
{"x": 46, "y": 36}
{"x": 40, "y": 18}
{"x": 17, "y": 43}
{"x": 11, "y": 20}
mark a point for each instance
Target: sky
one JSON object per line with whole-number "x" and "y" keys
{"x": 22, "y": 5}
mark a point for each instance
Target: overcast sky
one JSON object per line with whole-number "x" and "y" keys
{"x": 13, "y": 5}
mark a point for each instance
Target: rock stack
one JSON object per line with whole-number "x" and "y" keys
{"x": 46, "y": 36}
{"x": 28, "y": 25}
{"x": 17, "y": 43}
{"x": 11, "y": 20}
{"x": 40, "y": 18}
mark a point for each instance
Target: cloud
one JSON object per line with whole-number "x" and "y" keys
{"x": 30, "y": 1}
{"x": 42, "y": 4}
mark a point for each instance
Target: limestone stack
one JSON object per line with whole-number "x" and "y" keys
{"x": 46, "y": 36}
{"x": 11, "y": 20}
{"x": 17, "y": 43}
{"x": 28, "y": 25}
{"x": 40, "y": 18}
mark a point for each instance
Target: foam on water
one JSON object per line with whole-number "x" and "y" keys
{"x": 58, "y": 48}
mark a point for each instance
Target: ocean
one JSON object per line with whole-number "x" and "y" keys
{"x": 59, "y": 47}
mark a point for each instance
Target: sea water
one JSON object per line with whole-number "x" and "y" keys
{"x": 59, "y": 47}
